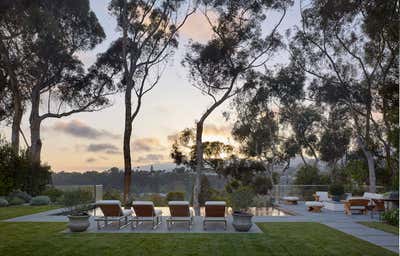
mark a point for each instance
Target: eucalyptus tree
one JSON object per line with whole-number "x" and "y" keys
{"x": 183, "y": 151}
{"x": 42, "y": 64}
{"x": 220, "y": 67}
{"x": 14, "y": 23}
{"x": 149, "y": 34}
{"x": 350, "y": 48}
{"x": 259, "y": 126}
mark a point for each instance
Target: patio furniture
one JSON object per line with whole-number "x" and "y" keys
{"x": 180, "y": 212}
{"x": 378, "y": 206}
{"x": 314, "y": 206}
{"x": 290, "y": 200}
{"x": 112, "y": 211}
{"x": 322, "y": 196}
{"x": 356, "y": 204}
{"x": 214, "y": 212}
{"x": 145, "y": 211}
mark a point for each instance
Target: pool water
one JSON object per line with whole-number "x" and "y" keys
{"x": 256, "y": 211}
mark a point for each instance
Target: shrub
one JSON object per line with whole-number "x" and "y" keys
{"x": 157, "y": 199}
{"x": 308, "y": 175}
{"x": 20, "y": 194}
{"x": 16, "y": 172}
{"x": 16, "y": 201}
{"x": 242, "y": 198}
{"x": 336, "y": 189}
{"x": 175, "y": 196}
{"x": 112, "y": 194}
{"x": 3, "y": 202}
{"x": 76, "y": 197}
{"x": 391, "y": 217}
{"x": 53, "y": 193}
{"x": 40, "y": 200}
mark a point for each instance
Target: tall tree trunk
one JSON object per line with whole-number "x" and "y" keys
{"x": 16, "y": 122}
{"x": 199, "y": 166}
{"x": 371, "y": 165}
{"x": 127, "y": 146}
{"x": 35, "y": 122}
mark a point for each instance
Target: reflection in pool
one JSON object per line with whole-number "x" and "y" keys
{"x": 256, "y": 211}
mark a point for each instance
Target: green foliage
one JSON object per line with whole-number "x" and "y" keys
{"x": 246, "y": 173}
{"x": 20, "y": 194}
{"x": 242, "y": 198}
{"x": 18, "y": 173}
{"x": 336, "y": 189}
{"x": 157, "y": 199}
{"x": 175, "y": 196}
{"x": 391, "y": 217}
{"x": 357, "y": 170}
{"x": 308, "y": 175}
{"x": 3, "y": 202}
{"x": 40, "y": 200}
{"x": 16, "y": 201}
{"x": 76, "y": 197}
{"x": 112, "y": 194}
{"x": 53, "y": 193}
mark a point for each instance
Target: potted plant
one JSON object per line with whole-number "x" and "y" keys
{"x": 77, "y": 203}
{"x": 78, "y": 220}
{"x": 336, "y": 190}
{"x": 241, "y": 200}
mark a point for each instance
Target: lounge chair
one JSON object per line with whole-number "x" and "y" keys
{"x": 180, "y": 212}
{"x": 214, "y": 212}
{"x": 144, "y": 211}
{"x": 112, "y": 211}
{"x": 314, "y": 206}
{"x": 356, "y": 204}
{"x": 322, "y": 196}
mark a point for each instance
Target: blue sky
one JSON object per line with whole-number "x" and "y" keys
{"x": 93, "y": 141}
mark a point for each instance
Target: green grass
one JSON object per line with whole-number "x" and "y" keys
{"x": 20, "y": 210}
{"x": 382, "y": 226}
{"x": 277, "y": 239}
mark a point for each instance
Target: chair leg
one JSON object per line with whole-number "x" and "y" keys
{"x": 204, "y": 225}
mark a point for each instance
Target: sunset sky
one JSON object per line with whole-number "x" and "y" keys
{"x": 93, "y": 141}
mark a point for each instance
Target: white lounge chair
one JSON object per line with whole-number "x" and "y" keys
{"x": 145, "y": 211}
{"x": 180, "y": 212}
{"x": 322, "y": 196}
{"x": 112, "y": 211}
{"x": 214, "y": 212}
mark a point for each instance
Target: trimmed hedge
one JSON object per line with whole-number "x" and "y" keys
{"x": 16, "y": 201}
{"x": 3, "y": 202}
{"x": 40, "y": 200}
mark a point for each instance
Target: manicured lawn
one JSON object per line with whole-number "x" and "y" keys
{"x": 277, "y": 239}
{"x": 382, "y": 226}
{"x": 20, "y": 210}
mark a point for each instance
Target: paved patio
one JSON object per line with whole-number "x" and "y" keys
{"x": 336, "y": 220}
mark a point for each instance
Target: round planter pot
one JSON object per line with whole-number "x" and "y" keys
{"x": 242, "y": 221}
{"x": 78, "y": 223}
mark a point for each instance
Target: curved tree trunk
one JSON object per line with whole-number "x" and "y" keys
{"x": 16, "y": 122}
{"x": 127, "y": 146}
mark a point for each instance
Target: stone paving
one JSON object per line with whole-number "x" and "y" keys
{"x": 336, "y": 220}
